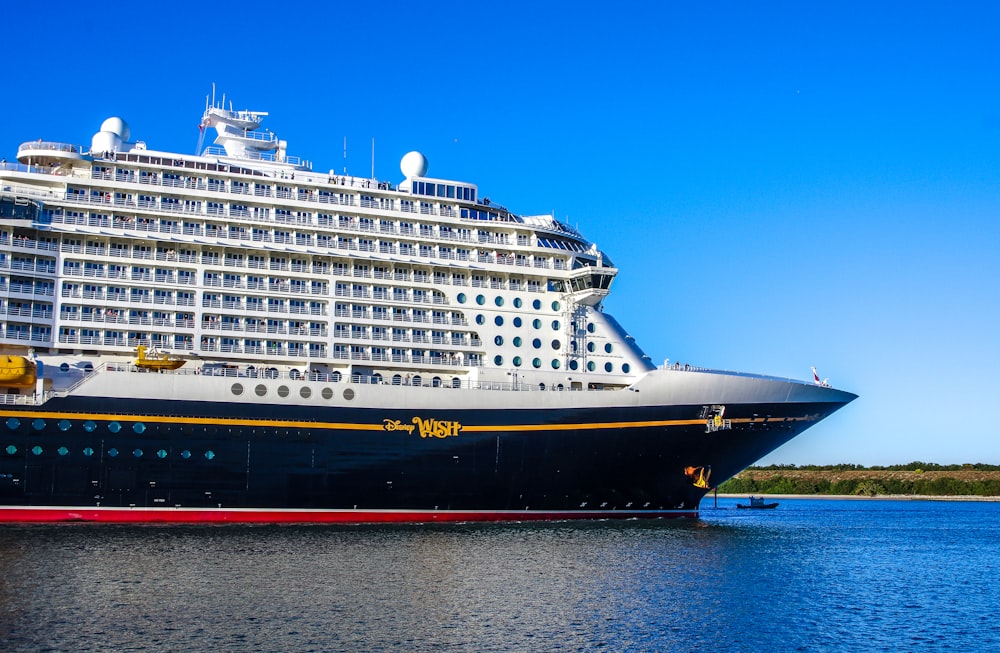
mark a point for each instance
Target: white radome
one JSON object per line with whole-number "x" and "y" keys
{"x": 413, "y": 164}
{"x": 118, "y": 127}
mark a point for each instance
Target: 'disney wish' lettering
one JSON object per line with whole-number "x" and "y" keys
{"x": 428, "y": 428}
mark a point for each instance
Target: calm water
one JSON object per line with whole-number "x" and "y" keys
{"x": 814, "y": 575}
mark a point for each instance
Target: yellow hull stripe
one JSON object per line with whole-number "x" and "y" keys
{"x": 346, "y": 426}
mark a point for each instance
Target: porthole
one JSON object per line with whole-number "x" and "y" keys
{"x": 38, "y": 424}
{"x": 64, "y": 424}
{"x": 260, "y": 390}
{"x": 13, "y": 423}
{"x": 37, "y": 450}
{"x": 11, "y": 449}
{"x": 305, "y": 392}
{"x": 517, "y": 341}
{"x": 137, "y": 452}
{"x": 590, "y": 328}
{"x": 113, "y": 452}
{"x": 162, "y": 453}
{"x": 517, "y": 322}
{"x": 88, "y": 451}
{"x": 555, "y": 306}
{"x": 626, "y": 368}
{"x": 89, "y": 426}
{"x": 64, "y": 367}
{"x": 537, "y": 304}
{"x": 209, "y": 454}
{"x": 555, "y": 325}
{"x": 139, "y": 427}
{"x": 608, "y": 347}
{"x": 556, "y": 344}
{"x": 517, "y": 361}
{"x": 185, "y": 454}
{"x": 62, "y": 451}
{"x": 574, "y": 365}
{"x": 348, "y": 394}
{"x": 498, "y": 320}
{"x": 498, "y": 360}
{"x": 536, "y": 323}
{"x": 480, "y": 319}
{"x": 237, "y": 389}
{"x": 591, "y": 347}
{"x": 282, "y": 390}
{"x": 555, "y": 363}
{"x": 480, "y": 300}
{"x": 517, "y": 302}
{"x": 498, "y": 341}
{"x": 114, "y": 427}
{"x": 498, "y": 300}
{"x": 536, "y": 343}
{"x": 608, "y": 367}
{"x": 461, "y": 298}
{"x": 536, "y": 363}
{"x": 590, "y": 366}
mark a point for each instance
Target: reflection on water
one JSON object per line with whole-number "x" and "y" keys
{"x": 813, "y": 575}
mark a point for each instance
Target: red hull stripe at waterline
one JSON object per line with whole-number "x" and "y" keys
{"x": 258, "y": 516}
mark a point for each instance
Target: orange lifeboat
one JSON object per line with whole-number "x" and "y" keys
{"x": 17, "y": 372}
{"x": 156, "y": 361}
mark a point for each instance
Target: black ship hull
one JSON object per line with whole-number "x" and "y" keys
{"x": 145, "y": 460}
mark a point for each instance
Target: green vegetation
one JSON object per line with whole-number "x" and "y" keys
{"x": 915, "y": 466}
{"x": 916, "y": 478}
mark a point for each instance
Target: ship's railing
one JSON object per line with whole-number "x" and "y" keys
{"x": 49, "y": 145}
{"x": 423, "y": 378}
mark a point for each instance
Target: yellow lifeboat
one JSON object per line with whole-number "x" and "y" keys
{"x": 17, "y": 372}
{"x": 153, "y": 360}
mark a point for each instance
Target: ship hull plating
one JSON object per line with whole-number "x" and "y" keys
{"x": 147, "y": 460}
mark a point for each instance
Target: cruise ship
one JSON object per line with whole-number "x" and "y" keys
{"x": 234, "y": 336}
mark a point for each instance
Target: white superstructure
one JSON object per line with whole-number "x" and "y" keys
{"x": 244, "y": 256}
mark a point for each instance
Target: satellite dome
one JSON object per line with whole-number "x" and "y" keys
{"x": 116, "y": 126}
{"x": 105, "y": 141}
{"x": 413, "y": 164}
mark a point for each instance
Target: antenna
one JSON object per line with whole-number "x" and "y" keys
{"x": 373, "y": 157}
{"x": 345, "y": 155}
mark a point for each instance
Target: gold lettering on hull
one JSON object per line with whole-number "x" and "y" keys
{"x": 427, "y": 428}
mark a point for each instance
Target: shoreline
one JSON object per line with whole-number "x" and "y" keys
{"x": 855, "y": 497}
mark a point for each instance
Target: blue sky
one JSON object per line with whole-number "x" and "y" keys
{"x": 781, "y": 184}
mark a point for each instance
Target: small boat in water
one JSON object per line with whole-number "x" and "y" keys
{"x": 757, "y": 503}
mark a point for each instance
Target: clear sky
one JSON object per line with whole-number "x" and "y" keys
{"x": 782, "y": 184}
